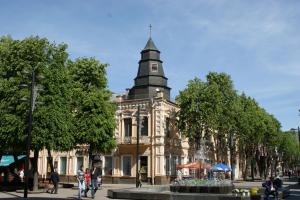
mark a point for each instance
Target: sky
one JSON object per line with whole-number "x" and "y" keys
{"x": 256, "y": 42}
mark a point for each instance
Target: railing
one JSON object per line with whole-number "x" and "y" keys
{"x": 133, "y": 140}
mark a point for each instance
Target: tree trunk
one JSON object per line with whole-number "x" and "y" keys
{"x": 245, "y": 171}
{"x": 252, "y": 169}
{"x": 275, "y": 166}
{"x": 267, "y": 166}
{"x": 34, "y": 170}
{"x": 232, "y": 164}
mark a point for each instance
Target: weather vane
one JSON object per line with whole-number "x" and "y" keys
{"x": 150, "y": 28}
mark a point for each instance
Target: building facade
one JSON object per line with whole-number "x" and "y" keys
{"x": 146, "y": 109}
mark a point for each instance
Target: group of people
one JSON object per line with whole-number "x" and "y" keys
{"x": 88, "y": 180}
{"x": 272, "y": 186}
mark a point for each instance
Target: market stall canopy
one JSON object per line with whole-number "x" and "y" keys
{"x": 195, "y": 165}
{"x": 7, "y": 160}
{"x": 220, "y": 167}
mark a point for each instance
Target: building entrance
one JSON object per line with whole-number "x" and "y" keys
{"x": 144, "y": 168}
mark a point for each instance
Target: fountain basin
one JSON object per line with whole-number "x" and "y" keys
{"x": 167, "y": 195}
{"x": 218, "y": 189}
{"x": 183, "y": 190}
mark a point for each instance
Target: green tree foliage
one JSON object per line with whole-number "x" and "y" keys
{"x": 93, "y": 110}
{"x": 288, "y": 149}
{"x": 52, "y": 121}
{"x": 222, "y": 87}
{"x": 213, "y": 109}
{"x": 76, "y": 105}
{"x": 207, "y": 109}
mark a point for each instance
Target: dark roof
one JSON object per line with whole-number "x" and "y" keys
{"x": 150, "y": 45}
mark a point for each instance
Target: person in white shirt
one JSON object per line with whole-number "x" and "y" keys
{"x": 21, "y": 174}
{"x": 81, "y": 183}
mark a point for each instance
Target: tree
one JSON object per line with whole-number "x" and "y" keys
{"x": 288, "y": 150}
{"x": 52, "y": 124}
{"x": 207, "y": 110}
{"x": 212, "y": 109}
{"x": 224, "y": 91}
{"x": 93, "y": 109}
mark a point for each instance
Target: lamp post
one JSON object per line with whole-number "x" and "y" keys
{"x": 137, "y": 146}
{"x": 28, "y": 142}
{"x": 33, "y": 96}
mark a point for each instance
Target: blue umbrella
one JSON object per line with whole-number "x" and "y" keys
{"x": 220, "y": 167}
{"x": 6, "y": 160}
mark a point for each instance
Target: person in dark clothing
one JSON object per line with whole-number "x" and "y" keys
{"x": 278, "y": 183}
{"x": 54, "y": 179}
{"x": 270, "y": 188}
{"x": 95, "y": 173}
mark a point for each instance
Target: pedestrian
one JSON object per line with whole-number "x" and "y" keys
{"x": 80, "y": 179}
{"x": 87, "y": 180}
{"x": 290, "y": 173}
{"x": 54, "y": 179}
{"x": 139, "y": 179}
{"x": 95, "y": 173}
{"x": 278, "y": 183}
{"x": 270, "y": 188}
{"x": 21, "y": 174}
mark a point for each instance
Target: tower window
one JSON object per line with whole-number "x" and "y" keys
{"x": 154, "y": 67}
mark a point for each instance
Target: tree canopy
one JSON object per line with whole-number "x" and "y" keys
{"x": 52, "y": 120}
{"x": 93, "y": 109}
{"x": 75, "y": 104}
{"x": 213, "y": 110}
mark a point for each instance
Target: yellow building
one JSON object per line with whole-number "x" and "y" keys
{"x": 160, "y": 146}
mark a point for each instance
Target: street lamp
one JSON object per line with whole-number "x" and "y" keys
{"x": 137, "y": 146}
{"x": 33, "y": 95}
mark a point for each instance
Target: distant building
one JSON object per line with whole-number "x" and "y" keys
{"x": 161, "y": 146}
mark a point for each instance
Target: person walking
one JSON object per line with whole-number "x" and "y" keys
{"x": 54, "y": 179}
{"x": 95, "y": 173}
{"x": 81, "y": 184}
{"x": 290, "y": 173}
{"x": 87, "y": 180}
{"x": 21, "y": 174}
{"x": 139, "y": 179}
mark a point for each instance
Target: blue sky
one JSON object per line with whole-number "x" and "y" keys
{"x": 256, "y": 42}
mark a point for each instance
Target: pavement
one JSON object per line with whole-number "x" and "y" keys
{"x": 65, "y": 193}
{"x": 69, "y": 193}
{"x": 294, "y": 192}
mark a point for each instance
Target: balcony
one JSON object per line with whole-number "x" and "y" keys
{"x": 133, "y": 140}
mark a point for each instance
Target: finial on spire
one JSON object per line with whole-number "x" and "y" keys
{"x": 150, "y": 28}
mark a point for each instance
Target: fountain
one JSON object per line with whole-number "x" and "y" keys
{"x": 186, "y": 189}
{"x": 209, "y": 185}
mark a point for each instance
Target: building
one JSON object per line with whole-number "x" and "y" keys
{"x": 145, "y": 108}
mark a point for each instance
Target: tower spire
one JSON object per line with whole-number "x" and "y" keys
{"x": 150, "y": 29}
{"x": 150, "y": 77}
